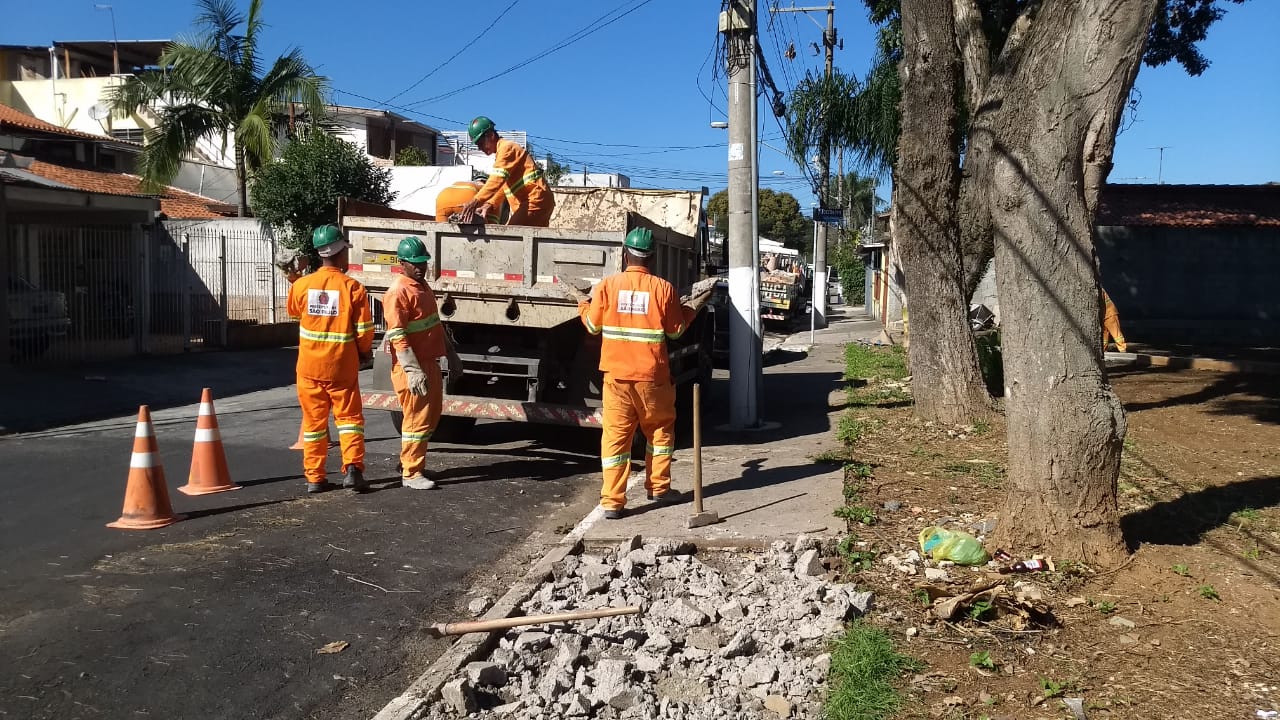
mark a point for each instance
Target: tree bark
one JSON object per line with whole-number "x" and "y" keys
{"x": 946, "y": 382}
{"x": 1066, "y": 426}
{"x": 242, "y": 185}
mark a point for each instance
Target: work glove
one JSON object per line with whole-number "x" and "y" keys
{"x": 413, "y": 372}
{"x": 697, "y": 302}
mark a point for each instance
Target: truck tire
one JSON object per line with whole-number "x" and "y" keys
{"x": 451, "y": 429}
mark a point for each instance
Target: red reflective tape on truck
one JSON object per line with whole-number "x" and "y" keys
{"x": 448, "y": 273}
{"x": 351, "y": 267}
{"x": 514, "y": 277}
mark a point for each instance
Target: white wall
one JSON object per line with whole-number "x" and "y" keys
{"x": 416, "y": 187}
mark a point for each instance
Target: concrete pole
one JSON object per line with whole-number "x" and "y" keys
{"x": 824, "y": 179}
{"x": 744, "y": 273}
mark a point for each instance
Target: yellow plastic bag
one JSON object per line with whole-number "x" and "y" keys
{"x": 959, "y": 547}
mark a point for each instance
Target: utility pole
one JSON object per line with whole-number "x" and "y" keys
{"x": 738, "y": 24}
{"x": 824, "y": 171}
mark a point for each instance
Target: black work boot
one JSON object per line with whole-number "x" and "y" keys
{"x": 670, "y": 497}
{"x": 354, "y": 479}
{"x": 316, "y": 488}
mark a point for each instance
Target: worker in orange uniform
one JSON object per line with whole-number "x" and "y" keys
{"x": 515, "y": 175}
{"x": 1111, "y": 324}
{"x": 416, "y": 340}
{"x": 335, "y": 336}
{"x": 636, "y": 312}
{"x": 454, "y": 198}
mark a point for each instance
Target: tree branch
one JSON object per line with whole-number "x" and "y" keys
{"x": 975, "y": 52}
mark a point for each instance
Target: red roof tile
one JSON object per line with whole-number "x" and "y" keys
{"x": 10, "y": 117}
{"x": 1190, "y": 205}
{"x": 174, "y": 203}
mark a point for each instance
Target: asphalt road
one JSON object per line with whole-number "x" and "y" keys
{"x": 221, "y": 615}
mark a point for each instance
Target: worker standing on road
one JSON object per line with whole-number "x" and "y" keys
{"x": 515, "y": 174}
{"x": 636, "y": 312}
{"x": 1111, "y": 324}
{"x": 416, "y": 340}
{"x": 335, "y": 336}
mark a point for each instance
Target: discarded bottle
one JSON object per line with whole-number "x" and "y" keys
{"x": 1003, "y": 556}
{"x": 1024, "y": 566}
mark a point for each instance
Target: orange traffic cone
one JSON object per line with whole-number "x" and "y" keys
{"x": 146, "y": 497}
{"x": 302, "y": 441}
{"x": 208, "y": 459}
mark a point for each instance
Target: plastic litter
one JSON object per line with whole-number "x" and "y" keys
{"x": 954, "y": 545}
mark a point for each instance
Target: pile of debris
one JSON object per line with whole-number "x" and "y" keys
{"x": 719, "y": 636}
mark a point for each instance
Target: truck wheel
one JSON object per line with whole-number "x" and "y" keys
{"x": 453, "y": 429}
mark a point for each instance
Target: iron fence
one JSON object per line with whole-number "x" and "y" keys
{"x": 82, "y": 292}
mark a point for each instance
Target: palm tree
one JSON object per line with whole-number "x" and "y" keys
{"x": 213, "y": 86}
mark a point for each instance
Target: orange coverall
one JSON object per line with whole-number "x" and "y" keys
{"x": 451, "y": 199}
{"x": 1111, "y": 324}
{"x": 635, "y": 312}
{"x": 413, "y": 324}
{"x": 520, "y": 179}
{"x": 335, "y": 328}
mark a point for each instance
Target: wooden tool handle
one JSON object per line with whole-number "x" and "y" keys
{"x": 697, "y": 448}
{"x": 472, "y": 626}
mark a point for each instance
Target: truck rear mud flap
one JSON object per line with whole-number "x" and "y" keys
{"x": 492, "y": 409}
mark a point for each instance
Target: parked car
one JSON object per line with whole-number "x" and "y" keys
{"x": 36, "y": 318}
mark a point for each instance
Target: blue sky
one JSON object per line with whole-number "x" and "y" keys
{"x": 632, "y": 96}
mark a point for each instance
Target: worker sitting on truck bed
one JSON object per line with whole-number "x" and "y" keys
{"x": 515, "y": 175}
{"x": 416, "y": 341}
{"x": 335, "y": 336}
{"x": 454, "y": 198}
{"x": 636, "y": 312}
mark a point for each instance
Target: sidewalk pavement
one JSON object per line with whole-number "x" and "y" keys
{"x": 764, "y": 484}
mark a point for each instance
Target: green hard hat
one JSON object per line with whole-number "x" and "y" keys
{"x": 479, "y": 127}
{"x": 639, "y": 241}
{"x": 327, "y": 240}
{"x": 412, "y": 250}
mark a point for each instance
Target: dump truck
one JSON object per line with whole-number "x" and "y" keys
{"x": 525, "y": 353}
{"x": 782, "y": 283}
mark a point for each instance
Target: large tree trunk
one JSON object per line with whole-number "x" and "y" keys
{"x": 242, "y": 185}
{"x": 1053, "y": 129}
{"x": 946, "y": 382}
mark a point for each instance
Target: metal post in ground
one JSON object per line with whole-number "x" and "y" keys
{"x": 187, "y": 271}
{"x": 222, "y": 288}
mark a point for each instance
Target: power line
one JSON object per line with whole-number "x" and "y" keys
{"x": 464, "y": 48}
{"x": 592, "y": 28}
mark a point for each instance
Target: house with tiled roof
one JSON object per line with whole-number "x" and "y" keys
{"x": 93, "y": 163}
{"x": 1192, "y": 264}
{"x": 1184, "y": 264}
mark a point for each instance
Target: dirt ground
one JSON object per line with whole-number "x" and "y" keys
{"x": 1188, "y": 628}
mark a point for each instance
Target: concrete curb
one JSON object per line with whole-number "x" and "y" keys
{"x": 1175, "y": 362}
{"x": 471, "y": 647}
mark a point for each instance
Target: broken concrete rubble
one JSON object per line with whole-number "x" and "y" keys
{"x": 721, "y": 636}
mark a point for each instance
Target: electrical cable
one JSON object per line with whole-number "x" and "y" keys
{"x": 452, "y": 57}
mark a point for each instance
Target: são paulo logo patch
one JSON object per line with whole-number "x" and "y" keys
{"x": 323, "y": 303}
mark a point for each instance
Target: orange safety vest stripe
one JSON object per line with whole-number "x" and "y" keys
{"x": 335, "y": 325}
{"x": 413, "y": 319}
{"x": 635, "y": 312}
{"x": 515, "y": 174}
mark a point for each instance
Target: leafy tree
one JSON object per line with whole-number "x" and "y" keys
{"x": 412, "y": 156}
{"x": 554, "y": 171}
{"x": 215, "y": 86}
{"x": 1037, "y": 149}
{"x": 780, "y": 218}
{"x": 300, "y": 191}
